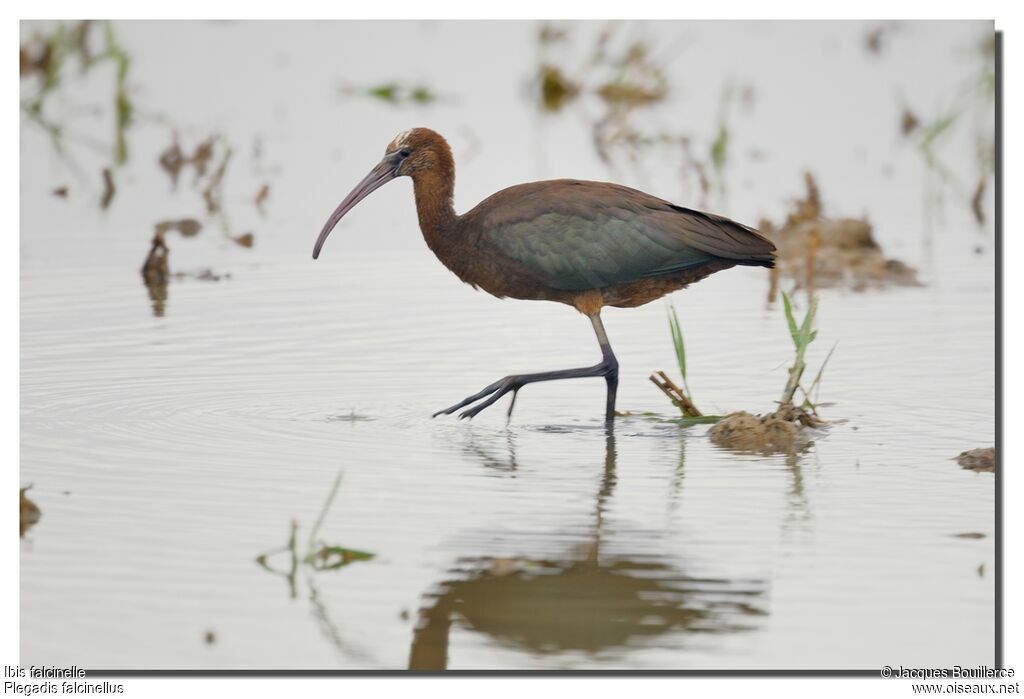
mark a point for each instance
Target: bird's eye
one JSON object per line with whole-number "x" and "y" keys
{"x": 405, "y": 152}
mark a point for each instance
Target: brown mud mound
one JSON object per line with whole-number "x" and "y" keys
{"x": 29, "y": 511}
{"x": 783, "y": 432}
{"x": 979, "y": 460}
{"x": 816, "y": 252}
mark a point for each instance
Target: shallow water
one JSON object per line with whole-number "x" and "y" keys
{"x": 168, "y": 451}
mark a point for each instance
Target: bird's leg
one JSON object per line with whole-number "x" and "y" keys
{"x": 607, "y": 368}
{"x": 611, "y": 376}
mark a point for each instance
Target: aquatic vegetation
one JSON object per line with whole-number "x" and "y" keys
{"x": 47, "y": 58}
{"x": 803, "y": 335}
{"x": 48, "y": 62}
{"x": 208, "y": 179}
{"x": 395, "y": 93}
{"x": 617, "y": 83}
{"x": 156, "y": 273}
{"x": 317, "y": 555}
{"x": 785, "y": 429}
{"x": 555, "y": 89}
{"x": 621, "y": 77}
{"x": 970, "y": 105}
{"x": 680, "y": 397}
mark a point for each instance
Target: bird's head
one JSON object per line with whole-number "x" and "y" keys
{"x": 413, "y": 153}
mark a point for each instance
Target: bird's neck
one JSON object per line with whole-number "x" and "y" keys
{"x": 435, "y": 190}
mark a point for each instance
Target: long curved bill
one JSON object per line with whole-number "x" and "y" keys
{"x": 382, "y": 174}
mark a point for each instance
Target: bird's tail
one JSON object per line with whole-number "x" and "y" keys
{"x": 729, "y": 240}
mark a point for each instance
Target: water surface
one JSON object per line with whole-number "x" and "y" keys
{"x": 167, "y": 451}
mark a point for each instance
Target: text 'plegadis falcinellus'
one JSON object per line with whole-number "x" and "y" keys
{"x": 586, "y": 244}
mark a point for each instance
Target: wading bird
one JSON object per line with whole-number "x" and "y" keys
{"x": 585, "y": 244}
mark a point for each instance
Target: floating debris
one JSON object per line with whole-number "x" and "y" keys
{"x": 210, "y": 638}
{"x": 203, "y": 275}
{"x": 246, "y": 240}
{"x": 108, "y": 188}
{"x": 209, "y": 181}
{"x": 261, "y": 198}
{"x": 969, "y": 535}
{"x": 675, "y": 394}
{"x": 30, "y": 512}
{"x": 61, "y": 192}
{"x": 979, "y": 460}
{"x": 188, "y": 227}
{"x": 816, "y": 252}
{"x": 351, "y": 416}
{"x": 909, "y": 122}
{"x": 873, "y": 40}
{"x": 172, "y": 160}
{"x": 156, "y": 273}
{"x": 155, "y": 269}
{"x": 212, "y": 194}
{"x": 202, "y": 156}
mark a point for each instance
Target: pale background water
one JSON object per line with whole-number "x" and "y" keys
{"x": 167, "y": 452}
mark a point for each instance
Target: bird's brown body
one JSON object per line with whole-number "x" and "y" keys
{"x": 585, "y": 244}
{"x": 467, "y": 244}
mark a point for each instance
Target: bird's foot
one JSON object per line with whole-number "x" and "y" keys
{"x": 492, "y": 393}
{"x": 488, "y": 396}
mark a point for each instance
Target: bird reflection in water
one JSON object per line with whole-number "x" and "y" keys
{"x": 586, "y": 602}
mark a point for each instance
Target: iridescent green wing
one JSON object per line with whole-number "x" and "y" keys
{"x": 574, "y": 235}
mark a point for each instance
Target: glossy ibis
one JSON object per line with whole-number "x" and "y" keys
{"x": 585, "y": 244}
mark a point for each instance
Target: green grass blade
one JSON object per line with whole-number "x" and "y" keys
{"x": 807, "y": 332}
{"x": 677, "y": 339}
{"x": 817, "y": 379}
{"x": 789, "y": 318}
{"x": 310, "y": 546}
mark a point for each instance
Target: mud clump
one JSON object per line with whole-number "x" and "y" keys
{"x": 784, "y": 431}
{"x": 816, "y": 252}
{"x": 30, "y": 513}
{"x": 978, "y": 460}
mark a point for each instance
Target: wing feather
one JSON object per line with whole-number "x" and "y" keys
{"x": 575, "y": 235}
